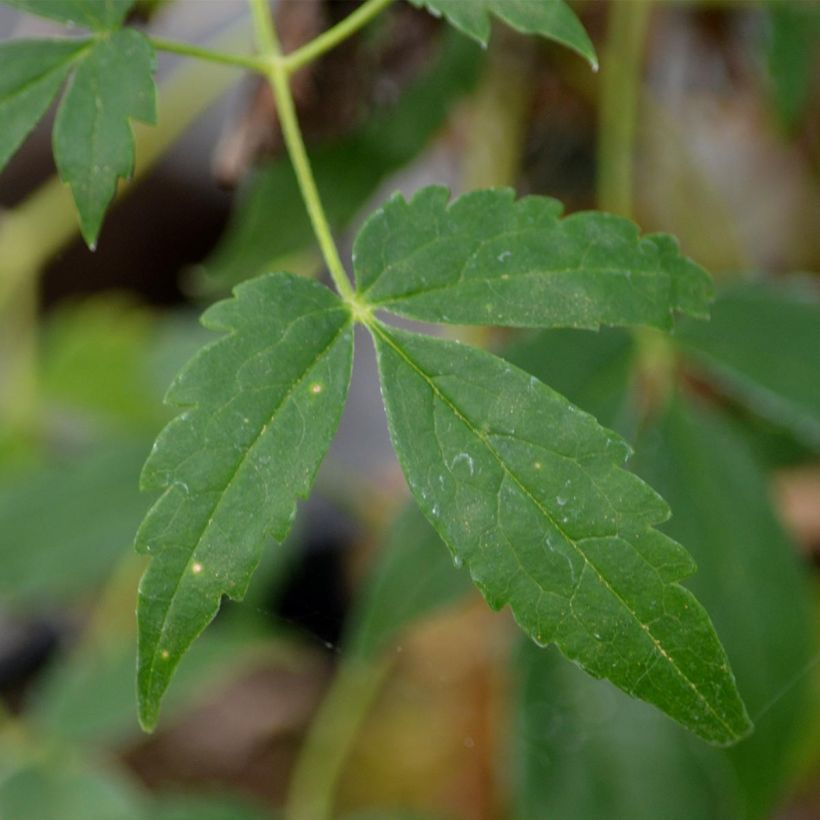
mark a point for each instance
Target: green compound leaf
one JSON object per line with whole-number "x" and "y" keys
{"x": 528, "y": 492}
{"x": 489, "y": 259}
{"x": 262, "y": 406}
{"x": 761, "y": 347}
{"x": 552, "y": 19}
{"x": 99, "y": 15}
{"x": 93, "y": 143}
{"x": 33, "y": 71}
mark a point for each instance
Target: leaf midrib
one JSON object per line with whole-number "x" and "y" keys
{"x": 62, "y": 65}
{"x": 378, "y": 328}
{"x": 512, "y": 234}
{"x": 263, "y": 429}
{"x": 487, "y": 280}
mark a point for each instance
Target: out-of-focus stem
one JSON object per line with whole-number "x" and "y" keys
{"x": 620, "y": 93}
{"x": 332, "y": 734}
{"x": 333, "y": 36}
{"x": 621, "y": 63}
{"x": 497, "y": 122}
{"x": 208, "y": 54}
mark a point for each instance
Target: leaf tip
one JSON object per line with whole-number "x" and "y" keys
{"x": 148, "y": 722}
{"x": 89, "y": 229}
{"x": 147, "y": 710}
{"x": 744, "y": 728}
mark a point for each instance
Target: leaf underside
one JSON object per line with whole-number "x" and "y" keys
{"x": 262, "y": 405}
{"x": 528, "y": 492}
{"x": 552, "y": 19}
{"x": 93, "y": 143}
{"x": 488, "y": 259}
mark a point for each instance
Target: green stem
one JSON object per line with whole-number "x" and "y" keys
{"x": 18, "y": 361}
{"x": 333, "y": 36}
{"x": 209, "y": 54}
{"x": 621, "y": 64}
{"x": 332, "y": 734}
{"x": 271, "y": 52}
{"x": 498, "y": 113}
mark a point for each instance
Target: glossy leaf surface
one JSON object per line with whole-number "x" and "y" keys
{"x": 488, "y": 259}
{"x": 529, "y": 493}
{"x": 552, "y": 19}
{"x": 262, "y": 406}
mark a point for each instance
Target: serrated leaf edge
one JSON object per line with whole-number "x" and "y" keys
{"x": 148, "y": 716}
{"x": 378, "y": 329}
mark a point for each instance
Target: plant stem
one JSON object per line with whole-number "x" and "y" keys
{"x": 621, "y": 64}
{"x": 271, "y": 52}
{"x": 18, "y": 361}
{"x": 497, "y": 130}
{"x": 333, "y": 36}
{"x": 332, "y": 734}
{"x": 620, "y": 93}
{"x": 211, "y": 55}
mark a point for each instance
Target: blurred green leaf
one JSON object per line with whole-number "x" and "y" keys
{"x": 488, "y": 259}
{"x": 88, "y": 697}
{"x": 586, "y": 751}
{"x": 215, "y": 806}
{"x": 792, "y": 51}
{"x": 347, "y": 171}
{"x": 99, "y": 15}
{"x": 593, "y": 370}
{"x": 552, "y": 19}
{"x": 96, "y": 359}
{"x": 774, "y": 446}
{"x": 761, "y": 347}
{"x": 749, "y": 578}
{"x": 395, "y": 814}
{"x": 93, "y": 143}
{"x": 261, "y": 406}
{"x": 33, "y": 71}
{"x": 528, "y": 492}
{"x": 109, "y": 361}
{"x": 56, "y": 790}
{"x": 65, "y": 525}
{"x": 397, "y": 593}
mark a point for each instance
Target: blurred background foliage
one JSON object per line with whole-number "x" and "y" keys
{"x": 362, "y": 677}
